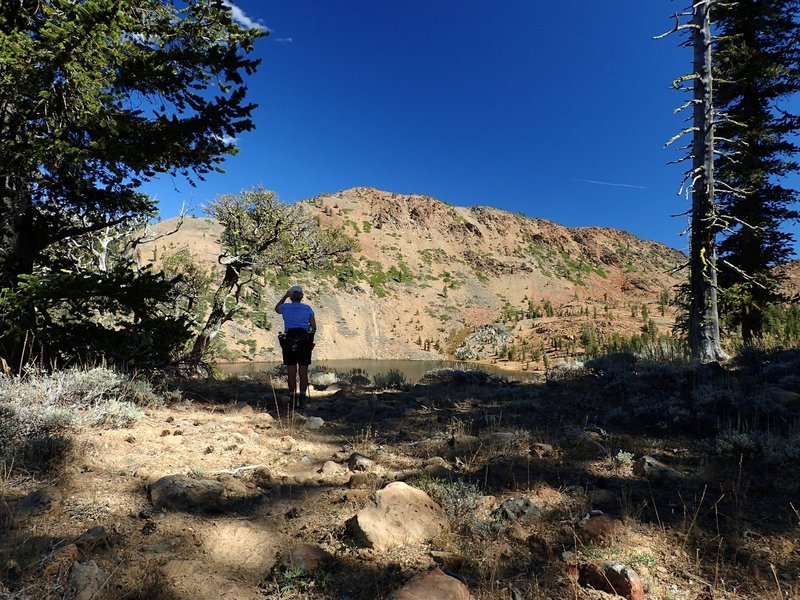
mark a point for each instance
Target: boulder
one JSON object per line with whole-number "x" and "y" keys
{"x": 654, "y": 470}
{"x": 433, "y": 585}
{"x": 398, "y": 515}
{"x": 183, "y": 493}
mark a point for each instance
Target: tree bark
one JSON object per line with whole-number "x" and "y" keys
{"x": 704, "y": 337}
{"x": 219, "y": 315}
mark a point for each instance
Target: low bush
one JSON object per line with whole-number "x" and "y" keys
{"x": 393, "y": 379}
{"x": 38, "y": 409}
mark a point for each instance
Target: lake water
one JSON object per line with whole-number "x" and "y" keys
{"x": 412, "y": 369}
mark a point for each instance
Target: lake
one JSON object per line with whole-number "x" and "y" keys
{"x": 412, "y": 369}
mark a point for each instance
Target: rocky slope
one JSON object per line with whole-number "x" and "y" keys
{"x": 429, "y": 273}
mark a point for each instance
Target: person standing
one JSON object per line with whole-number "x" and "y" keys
{"x": 297, "y": 340}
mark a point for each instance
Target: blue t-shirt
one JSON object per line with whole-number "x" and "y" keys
{"x": 296, "y": 315}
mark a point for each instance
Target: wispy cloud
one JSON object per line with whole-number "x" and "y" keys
{"x": 284, "y": 40}
{"x": 227, "y": 139}
{"x": 625, "y": 185}
{"x": 240, "y": 17}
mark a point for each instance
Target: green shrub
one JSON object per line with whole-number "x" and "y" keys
{"x": 393, "y": 379}
{"x": 769, "y": 448}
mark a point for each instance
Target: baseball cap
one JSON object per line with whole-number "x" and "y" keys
{"x": 296, "y": 289}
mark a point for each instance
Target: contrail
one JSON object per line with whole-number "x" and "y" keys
{"x": 625, "y": 185}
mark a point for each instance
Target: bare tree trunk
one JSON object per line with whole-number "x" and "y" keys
{"x": 220, "y": 314}
{"x": 704, "y": 337}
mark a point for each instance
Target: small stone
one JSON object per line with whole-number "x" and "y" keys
{"x": 91, "y": 538}
{"x": 518, "y": 509}
{"x": 314, "y": 423}
{"x": 307, "y": 557}
{"x": 613, "y": 578}
{"x": 242, "y": 408}
{"x": 359, "y": 462}
{"x": 330, "y": 468}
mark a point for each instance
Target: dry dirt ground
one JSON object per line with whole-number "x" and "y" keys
{"x": 713, "y": 529}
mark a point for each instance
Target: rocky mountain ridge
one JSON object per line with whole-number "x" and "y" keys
{"x": 429, "y": 274}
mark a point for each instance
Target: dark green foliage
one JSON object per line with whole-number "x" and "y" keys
{"x": 262, "y": 235}
{"x": 757, "y": 64}
{"x": 96, "y": 98}
{"x": 81, "y": 315}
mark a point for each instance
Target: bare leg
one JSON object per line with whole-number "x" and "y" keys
{"x": 291, "y": 370}
{"x": 303, "y": 379}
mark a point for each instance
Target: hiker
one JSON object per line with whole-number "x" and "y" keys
{"x": 297, "y": 340}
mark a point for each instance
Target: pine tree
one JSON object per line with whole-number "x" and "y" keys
{"x": 757, "y": 65}
{"x": 96, "y": 98}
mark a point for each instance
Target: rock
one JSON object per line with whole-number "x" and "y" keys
{"x": 38, "y": 502}
{"x": 144, "y": 473}
{"x": 265, "y": 419}
{"x": 585, "y": 447}
{"x": 87, "y": 581}
{"x": 242, "y": 408}
{"x": 437, "y": 471}
{"x": 363, "y": 480}
{"x": 433, "y": 585}
{"x": 183, "y": 493}
{"x": 323, "y": 379}
{"x": 604, "y": 498}
{"x": 93, "y": 537}
{"x": 542, "y": 450}
{"x": 518, "y": 509}
{"x": 60, "y": 561}
{"x": 435, "y": 461}
{"x": 314, "y": 423}
{"x": 234, "y": 488}
{"x": 263, "y": 477}
{"x": 613, "y": 578}
{"x": 465, "y": 443}
{"x": 306, "y": 558}
{"x": 600, "y": 528}
{"x": 654, "y": 470}
{"x": 359, "y": 462}
{"x": 338, "y": 386}
{"x": 449, "y": 560}
{"x": 398, "y": 515}
{"x": 329, "y": 469}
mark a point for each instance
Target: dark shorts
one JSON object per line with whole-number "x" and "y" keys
{"x": 296, "y": 345}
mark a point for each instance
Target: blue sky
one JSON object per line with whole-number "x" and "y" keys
{"x": 558, "y": 110}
